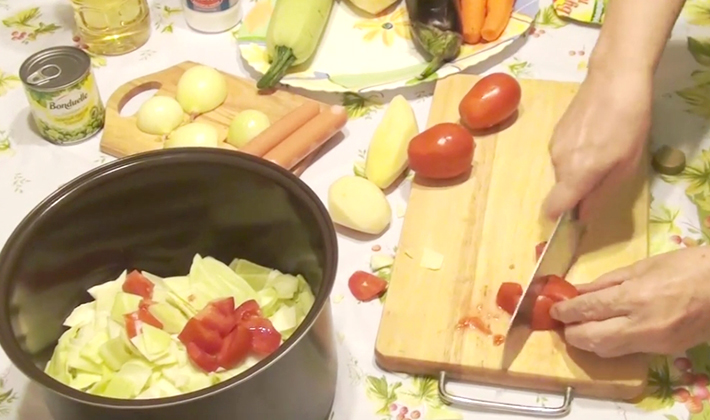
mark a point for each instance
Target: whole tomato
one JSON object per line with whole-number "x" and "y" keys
{"x": 492, "y": 100}
{"x": 443, "y": 151}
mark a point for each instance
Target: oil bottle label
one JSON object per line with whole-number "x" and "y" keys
{"x": 211, "y": 5}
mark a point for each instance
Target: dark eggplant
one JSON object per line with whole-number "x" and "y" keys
{"x": 437, "y": 29}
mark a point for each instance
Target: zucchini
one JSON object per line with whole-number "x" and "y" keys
{"x": 437, "y": 30}
{"x": 294, "y": 31}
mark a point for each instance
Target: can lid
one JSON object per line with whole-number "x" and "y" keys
{"x": 55, "y": 68}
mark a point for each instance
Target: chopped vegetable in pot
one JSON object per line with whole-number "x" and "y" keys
{"x": 147, "y": 337}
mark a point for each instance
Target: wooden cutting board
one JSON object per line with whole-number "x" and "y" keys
{"x": 121, "y": 136}
{"x": 486, "y": 228}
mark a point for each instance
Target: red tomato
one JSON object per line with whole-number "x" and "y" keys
{"x": 508, "y": 296}
{"x": 206, "y": 339}
{"x": 541, "y": 319}
{"x": 538, "y": 249}
{"x": 137, "y": 284}
{"x": 492, "y": 100}
{"x": 216, "y": 320}
{"x": 443, "y": 151}
{"x": 146, "y": 317}
{"x": 225, "y": 306}
{"x": 133, "y": 325}
{"x": 264, "y": 337}
{"x": 365, "y": 286}
{"x": 558, "y": 289}
{"x": 204, "y": 361}
{"x": 247, "y": 310}
{"x": 235, "y": 348}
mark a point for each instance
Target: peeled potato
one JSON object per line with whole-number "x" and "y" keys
{"x": 358, "y": 204}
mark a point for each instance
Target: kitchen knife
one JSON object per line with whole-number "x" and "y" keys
{"x": 556, "y": 259}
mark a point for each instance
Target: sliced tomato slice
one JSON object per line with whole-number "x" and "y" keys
{"x": 201, "y": 359}
{"x": 216, "y": 320}
{"x": 508, "y": 296}
{"x": 206, "y": 339}
{"x": 225, "y": 306}
{"x": 559, "y": 289}
{"x": 366, "y": 286}
{"x": 137, "y": 284}
{"x": 247, "y": 310}
{"x": 145, "y": 316}
{"x": 235, "y": 348}
{"x": 133, "y": 324}
{"x": 541, "y": 319}
{"x": 265, "y": 339}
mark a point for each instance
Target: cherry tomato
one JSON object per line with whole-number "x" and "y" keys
{"x": 264, "y": 337}
{"x": 213, "y": 318}
{"x": 235, "y": 348}
{"x": 206, "y": 339}
{"x": 225, "y": 306}
{"x": 538, "y": 249}
{"x": 492, "y": 100}
{"x": 508, "y": 296}
{"x": 443, "y": 151}
{"x": 247, "y": 310}
{"x": 137, "y": 284}
{"x": 201, "y": 359}
{"x": 541, "y": 319}
{"x": 558, "y": 289}
{"x": 365, "y": 286}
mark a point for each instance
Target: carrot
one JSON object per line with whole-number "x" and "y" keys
{"x": 499, "y": 12}
{"x": 473, "y": 14}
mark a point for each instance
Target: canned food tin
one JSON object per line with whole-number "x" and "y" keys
{"x": 63, "y": 95}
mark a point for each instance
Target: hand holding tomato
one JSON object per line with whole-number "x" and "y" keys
{"x": 659, "y": 305}
{"x": 600, "y": 137}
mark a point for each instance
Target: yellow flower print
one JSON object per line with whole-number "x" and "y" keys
{"x": 7, "y": 82}
{"x": 388, "y": 27}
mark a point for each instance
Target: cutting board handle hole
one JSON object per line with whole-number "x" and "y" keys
{"x": 129, "y": 104}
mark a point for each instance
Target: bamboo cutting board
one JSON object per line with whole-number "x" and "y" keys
{"x": 121, "y": 136}
{"x": 486, "y": 228}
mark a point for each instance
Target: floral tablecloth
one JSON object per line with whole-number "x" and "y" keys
{"x": 31, "y": 168}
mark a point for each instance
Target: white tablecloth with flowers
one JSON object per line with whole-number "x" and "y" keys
{"x": 31, "y": 168}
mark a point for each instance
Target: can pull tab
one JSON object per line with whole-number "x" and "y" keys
{"x": 44, "y": 74}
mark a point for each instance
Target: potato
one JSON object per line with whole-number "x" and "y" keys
{"x": 387, "y": 154}
{"x": 358, "y": 204}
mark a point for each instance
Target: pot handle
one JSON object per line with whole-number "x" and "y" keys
{"x": 561, "y": 410}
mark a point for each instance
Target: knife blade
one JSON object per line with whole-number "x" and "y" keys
{"x": 556, "y": 259}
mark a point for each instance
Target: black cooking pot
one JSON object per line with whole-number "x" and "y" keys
{"x": 154, "y": 212}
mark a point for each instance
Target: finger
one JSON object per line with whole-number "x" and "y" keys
{"x": 613, "y": 278}
{"x": 594, "y": 306}
{"x": 605, "y": 338}
{"x": 572, "y": 186}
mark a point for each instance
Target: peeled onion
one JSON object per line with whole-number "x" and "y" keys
{"x": 159, "y": 115}
{"x": 193, "y": 135}
{"x": 201, "y": 89}
{"x": 245, "y": 126}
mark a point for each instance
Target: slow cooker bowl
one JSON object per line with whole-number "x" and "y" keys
{"x": 155, "y": 211}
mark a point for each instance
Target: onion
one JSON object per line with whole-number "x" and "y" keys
{"x": 245, "y": 126}
{"x": 201, "y": 89}
{"x": 159, "y": 115}
{"x": 193, "y": 135}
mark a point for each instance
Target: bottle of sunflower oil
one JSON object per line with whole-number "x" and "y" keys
{"x": 112, "y": 27}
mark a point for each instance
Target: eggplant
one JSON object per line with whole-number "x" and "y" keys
{"x": 437, "y": 31}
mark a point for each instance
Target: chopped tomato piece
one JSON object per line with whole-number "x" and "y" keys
{"x": 559, "y": 289}
{"x": 133, "y": 324}
{"x": 206, "y": 339}
{"x": 508, "y": 296}
{"x": 201, "y": 359}
{"x": 538, "y": 250}
{"x": 247, "y": 310}
{"x": 137, "y": 284}
{"x": 145, "y": 316}
{"x": 225, "y": 306}
{"x": 214, "y": 319}
{"x": 235, "y": 348}
{"x": 365, "y": 286}
{"x": 264, "y": 337}
{"x": 145, "y": 303}
{"x": 541, "y": 319}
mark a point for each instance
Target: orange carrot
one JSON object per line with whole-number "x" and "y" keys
{"x": 473, "y": 14}
{"x": 497, "y": 18}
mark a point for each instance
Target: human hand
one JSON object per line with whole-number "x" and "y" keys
{"x": 600, "y": 137}
{"x": 659, "y": 305}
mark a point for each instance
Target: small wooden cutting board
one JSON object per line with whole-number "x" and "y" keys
{"x": 486, "y": 228}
